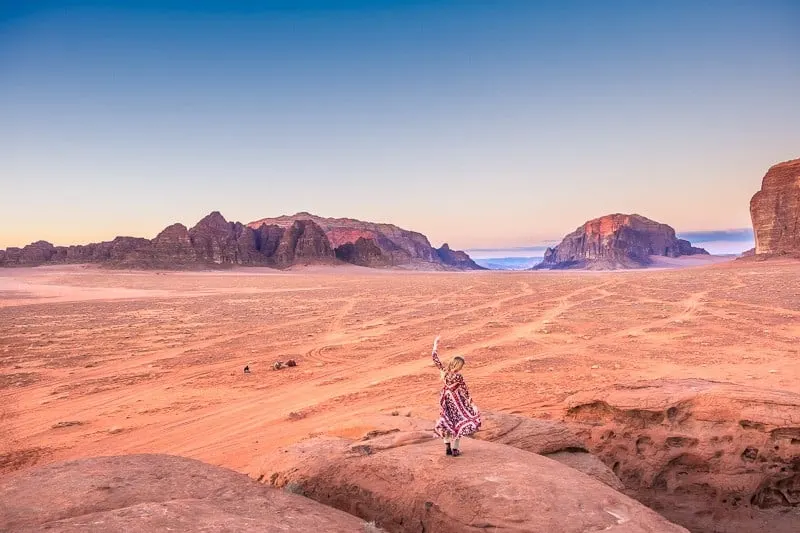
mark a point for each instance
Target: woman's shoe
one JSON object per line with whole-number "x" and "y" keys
{"x": 448, "y": 450}
{"x": 456, "y": 452}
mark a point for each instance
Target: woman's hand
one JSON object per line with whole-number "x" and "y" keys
{"x": 436, "y": 342}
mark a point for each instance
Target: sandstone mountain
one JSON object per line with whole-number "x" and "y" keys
{"x": 278, "y": 243}
{"x": 154, "y": 493}
{"x": 616, "y": 241}
{"x": 378, "y": 245}
{"x": 775, "y": 211}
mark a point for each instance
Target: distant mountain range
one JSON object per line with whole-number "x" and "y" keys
{"x": 301, "y": 239}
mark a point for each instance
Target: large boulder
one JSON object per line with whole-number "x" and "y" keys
{"x": 154, "y": 493}
{"x": 404, "y": 482}
{"x": 775, "y": 211}
{"x": 616, "y": 241}
{"x": 715, "y": 457}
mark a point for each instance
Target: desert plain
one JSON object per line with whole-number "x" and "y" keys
{"x": 105, "y": 362}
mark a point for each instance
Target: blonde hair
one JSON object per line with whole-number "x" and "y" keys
{"x": 455, "y": 364}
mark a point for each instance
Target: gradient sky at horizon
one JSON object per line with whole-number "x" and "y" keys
{"x": 479, "y": 123}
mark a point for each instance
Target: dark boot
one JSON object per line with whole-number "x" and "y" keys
{"x": 448, "y": 450}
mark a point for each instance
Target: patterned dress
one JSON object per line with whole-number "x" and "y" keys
{"x": 458, "y": 416}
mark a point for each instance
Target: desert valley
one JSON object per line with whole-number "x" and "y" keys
{"x": 630, "y": 399}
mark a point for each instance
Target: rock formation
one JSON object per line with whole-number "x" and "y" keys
{"x": 550, "y": 438}
{"x": 378, "y": 245}
{"x": 216, "y": 243}
{"x": 456, "y": 258}
{"x": 404, "y": 482}
{"x": 616, "y": 241}
{"x": 775, "y": 211}
{"x": 153, "y": 493}
{"x": 711, "y": 456}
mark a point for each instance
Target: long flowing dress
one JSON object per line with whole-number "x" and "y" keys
{"x": 458, "y": 416}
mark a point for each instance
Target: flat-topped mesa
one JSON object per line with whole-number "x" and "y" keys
{"x": 775, "y": 211}
{"x": 374, "y": 244}
{"x": 616, "y": 241}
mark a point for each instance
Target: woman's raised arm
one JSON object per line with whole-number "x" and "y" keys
{"x": 435, "y": 354}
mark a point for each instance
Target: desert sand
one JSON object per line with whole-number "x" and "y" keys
{"x": 100, "y": 362}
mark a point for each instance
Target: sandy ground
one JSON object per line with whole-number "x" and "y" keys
{"x": 96, "y": 362}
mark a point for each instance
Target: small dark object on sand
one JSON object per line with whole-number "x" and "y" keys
{"x": 247, "y": 369}
{"x": 291, "y": 362}
{"x": 278, "y": 365}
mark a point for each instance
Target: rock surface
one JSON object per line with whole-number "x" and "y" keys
{"x": 404, "y": 482}
{"x": 456, "y": 258}
{"x": 149, "y": 493}
{"x": 616, "y": 241}
{"x": 378, "y": 245}
{"x": 775, "y": 211}
{"x": 549, "y": 438}
{"x": 279, "y": 243}
{"x": 710, "y": 456}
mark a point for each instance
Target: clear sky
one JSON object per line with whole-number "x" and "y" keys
{"x": 480, "y": 123}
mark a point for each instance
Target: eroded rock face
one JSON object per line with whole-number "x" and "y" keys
{"x": 376, "y": 245}
{"x": 364, "y": 252}
{"x": 775, "y": 211}
{"x": 714, "y": 457}
{"x": 280, "y": 243}
{"x": 154, "y": 493}
{"x": 404, "y": 482}
{"x": 457, "y": 259}
{"x": 552, "y": 439}
{"x": 216, "y": 240}
{"x": 616, "y": 241}
{"x": 303, "y": 242}
{"x": 174, "y": 245}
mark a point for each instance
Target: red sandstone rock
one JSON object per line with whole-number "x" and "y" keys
{"x": 404, "y": 482}
{"x": 711, "y": 456}
{"x": 174, "y": 246}
{"x": 550, "y": 438}
{"x": 154, "y": 493}
{"x": 775, "y": 211}
{"x": 616, "y": 241}
{"x": 456, "y": 258}
{"x": 372, "y": 244}
{"x": 303, "y": 242}
{"x": 214, "y": 242}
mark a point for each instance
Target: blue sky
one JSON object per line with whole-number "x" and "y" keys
{"x": 483, "y": 124}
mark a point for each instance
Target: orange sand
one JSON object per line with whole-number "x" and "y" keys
{"x": 152, "y": 362}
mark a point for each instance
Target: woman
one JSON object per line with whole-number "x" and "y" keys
{"x": 458, "y": 416}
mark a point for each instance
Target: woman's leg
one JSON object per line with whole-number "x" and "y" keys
{"x": 456, "y": 452}
{"x": 447, "y": 450}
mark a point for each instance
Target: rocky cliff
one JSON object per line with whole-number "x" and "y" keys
{"x": 279, "y": 243}
{"x": 775, "y": 211}
{"x": 616, "y": 241}
{"x": 378, "y": 245}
